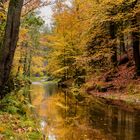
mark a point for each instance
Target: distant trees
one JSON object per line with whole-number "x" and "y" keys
{"x": 29, "y": 44}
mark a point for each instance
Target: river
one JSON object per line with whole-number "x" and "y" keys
{"x": 67, "y": 116}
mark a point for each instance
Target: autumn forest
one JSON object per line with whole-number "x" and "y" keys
{"x": 74, "y": 78}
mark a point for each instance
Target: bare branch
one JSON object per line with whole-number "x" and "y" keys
{"x": 30, "y": 5}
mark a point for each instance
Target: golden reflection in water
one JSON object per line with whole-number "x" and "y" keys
{"x": 37, "y": 93}
{"x": 64, "y": 119}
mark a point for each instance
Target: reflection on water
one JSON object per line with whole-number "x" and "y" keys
{"x": 68, "y": 117}
{"x": 50, "y": 88}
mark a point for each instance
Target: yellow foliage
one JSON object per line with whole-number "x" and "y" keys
{"x": 2, "y": 129}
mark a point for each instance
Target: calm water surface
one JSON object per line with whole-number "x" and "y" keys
{"x": 67, "y": 116}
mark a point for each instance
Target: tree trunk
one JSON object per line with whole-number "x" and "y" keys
{"x": 113, "y": 47}
{"x": 29, "y": 64}
{"x": 10, "y": 40}
{"x": 122, "y": 44}
{"x": 136, "y": 50}
{"x": 25, "y": 60}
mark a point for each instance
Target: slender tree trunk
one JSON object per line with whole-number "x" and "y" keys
{"x": 136, "y": 45}
{"x": 25, "y": 60}
{"x": 19, "y": 65}
{"x": 29, "y": 64}
{"x": 122, "y": 44}
{"x": 112, "y": 31}
{"x": 10, "y": 40}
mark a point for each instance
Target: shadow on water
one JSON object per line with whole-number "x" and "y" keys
{"x": 65, "y": 117}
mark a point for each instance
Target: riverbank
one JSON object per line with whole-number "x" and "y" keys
{"x": 119, "y": 86}
{"x": 15, "y": 127}
{"x": 16, "y": 119}
{"x": 125, "y": 101}
{"x": 128, "y": 99}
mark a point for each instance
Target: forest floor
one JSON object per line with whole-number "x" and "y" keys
{"x": 16, "y": 119}
{"x": 119, "y": 87}
{"x": 15, "y": 127}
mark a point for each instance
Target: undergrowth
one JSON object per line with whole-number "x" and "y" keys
{"x": 17, "y": 121}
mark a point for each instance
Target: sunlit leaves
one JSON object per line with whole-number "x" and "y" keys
{"x": 81, "y": 35}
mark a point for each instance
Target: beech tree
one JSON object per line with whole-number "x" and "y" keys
{"x": 10, "y": 40}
